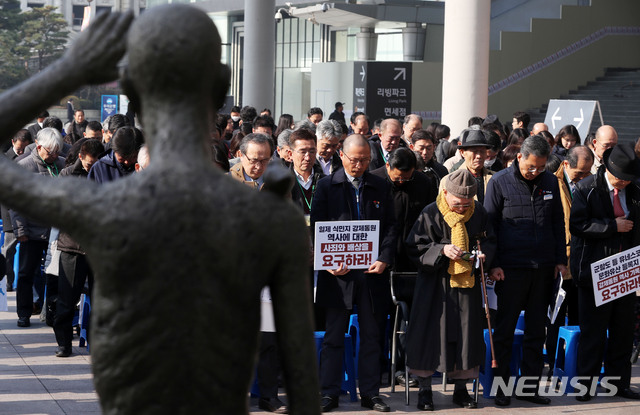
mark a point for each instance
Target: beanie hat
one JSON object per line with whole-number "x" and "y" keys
{"x": 462, "y": 184}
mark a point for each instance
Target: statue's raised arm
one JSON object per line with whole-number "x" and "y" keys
{"x": 91, "y": 59}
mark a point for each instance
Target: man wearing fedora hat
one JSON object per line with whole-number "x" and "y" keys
{"x": 473, "y": 148}
{"x": 605, "y": 207}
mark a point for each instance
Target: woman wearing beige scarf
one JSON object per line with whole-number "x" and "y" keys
{"x": 445, "y": 326}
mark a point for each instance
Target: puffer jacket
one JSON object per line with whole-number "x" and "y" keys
{"x": 529, "y": 224}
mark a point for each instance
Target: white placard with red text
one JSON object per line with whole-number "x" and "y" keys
{"x": 616, "y": 276}
{"x": 354, "y": 243}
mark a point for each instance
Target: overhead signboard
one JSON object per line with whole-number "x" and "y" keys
{"x": 561, "y": 112}
{"x": 382, "y": 89}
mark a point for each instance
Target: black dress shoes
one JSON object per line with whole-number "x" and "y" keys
{"x": 63, "y": 351}
{"x": 24, "y": 322}
{"x": 628, "y": 393}
{"x": 400, "y": 380}
{"x": 374, "y": 402}
{"x": 425, "y": 400}
{"x": 502, "y": 400}
{"x": 274, "y": 405}
{"x": 461, "y": 398}
{"x": 328, "y": 402}
{"x": 537, "y": 399}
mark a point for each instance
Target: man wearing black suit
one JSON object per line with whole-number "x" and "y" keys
{"x": 329, "y": 133}
{"x": 352, "y": 193}
{"x": 19, "y": 142}
{"x": 603, "y": 222}
{"x": 390, "y": 137}
{"x": 37, "y": 126}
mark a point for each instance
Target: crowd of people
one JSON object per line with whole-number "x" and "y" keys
{"x": 542, "y": 207}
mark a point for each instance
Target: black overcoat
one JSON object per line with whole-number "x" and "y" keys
{"x": 446, "y": 324}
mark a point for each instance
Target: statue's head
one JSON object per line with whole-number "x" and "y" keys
{"x": 174, "y": 53}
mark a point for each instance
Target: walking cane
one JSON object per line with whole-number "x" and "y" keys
{"x": 494, "y": 362}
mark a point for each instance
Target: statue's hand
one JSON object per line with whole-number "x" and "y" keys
{"x": 95, "y": 53}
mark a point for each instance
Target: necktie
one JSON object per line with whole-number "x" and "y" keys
{"x": 617, "y": 206}
{"x": 356, "y": 183}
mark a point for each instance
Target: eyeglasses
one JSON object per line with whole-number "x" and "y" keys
{"x": 466, "y": 206}
{"x": 606, "y": 146}
{"x": 357, "y": 161}
{"x": 534, "y": 169}
{"x": 51, "y": 153}
{"x": 255, "y": 162}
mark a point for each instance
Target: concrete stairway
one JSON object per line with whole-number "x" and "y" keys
{"x": 618, "y": 92}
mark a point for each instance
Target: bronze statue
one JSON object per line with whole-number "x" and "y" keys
{"x": 180, "y": 251}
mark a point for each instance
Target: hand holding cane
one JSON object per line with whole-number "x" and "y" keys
{"x": 494, "y": 362}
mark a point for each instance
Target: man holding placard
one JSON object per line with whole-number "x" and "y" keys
{"x": 605, "y": 207}
{"x": 353, "y": 194}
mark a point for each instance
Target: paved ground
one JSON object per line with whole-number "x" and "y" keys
{"x": 33, "y": 381}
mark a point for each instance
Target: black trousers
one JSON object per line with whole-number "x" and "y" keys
{"x": 372, "y": 321}
{"x": 74, "y": 271}
{"x": 529, "y": 290}
{"x": 30, "y": 259}
{"x": 617, "y": 316}
{"x": 268, "y": 366}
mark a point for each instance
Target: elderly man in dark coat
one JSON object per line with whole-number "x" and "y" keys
{"x": 445, "y": 327}
{"x": 604, "y": 217}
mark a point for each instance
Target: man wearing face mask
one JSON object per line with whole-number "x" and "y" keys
{"x": 121, "y": 160}
{"x": 473, "y": 148}
{"x": 493, "y": 162}
{"x": 235, "y": 117}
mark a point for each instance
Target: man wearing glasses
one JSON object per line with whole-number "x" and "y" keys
{"x": 256, "y": 152}
{"x": 34, "y": 236}
{"x": 390, "y": 138}
{"x": 525, "y": 211}
{"x": 606, "y": 138}
{"x": 352, "y": 193}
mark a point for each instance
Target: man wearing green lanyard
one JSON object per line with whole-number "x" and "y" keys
{"x": 390, "y": 138}
{"x": 303, "y": 150}
{"x": 34, "y": 237}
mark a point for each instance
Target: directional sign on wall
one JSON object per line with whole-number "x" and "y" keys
{"x": 579, "y": 113}
{"x": 382, "y": 89}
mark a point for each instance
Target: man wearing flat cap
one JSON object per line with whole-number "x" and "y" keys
{"x": 605, "y": 207}
{"x": 473, "y": 148}
{"x": 525, "y": 211}
{"x": 445, "y": 333}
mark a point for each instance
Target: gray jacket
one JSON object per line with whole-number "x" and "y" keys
{"x": 22, "y": 225}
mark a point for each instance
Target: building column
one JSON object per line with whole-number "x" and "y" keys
{"x": 413, "y": 37}
{"x": 366, "y": 44}
{"x": 465, "y": 78}
{"x": 258, "y": 77}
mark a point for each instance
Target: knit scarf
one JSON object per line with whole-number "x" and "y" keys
{"x": 460, "y": 270}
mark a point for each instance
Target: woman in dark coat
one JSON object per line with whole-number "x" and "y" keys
{"x": 445, "y": 330}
